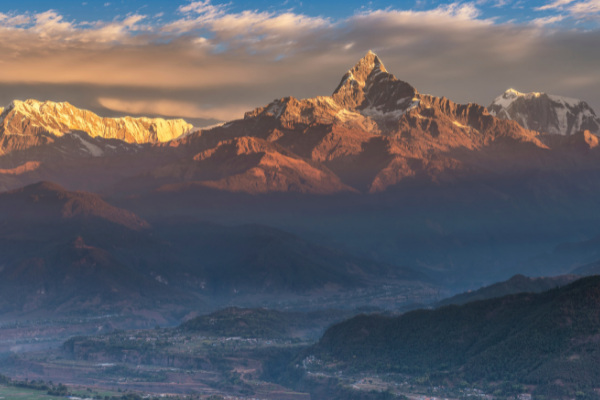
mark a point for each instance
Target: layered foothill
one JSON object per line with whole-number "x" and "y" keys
{"x": 546, "y": 340}
{"x": 63, "y": 251}
{"x": 46, "y": 201}
{"x": 60, "y": 253}
{"x": 516, "y": 284}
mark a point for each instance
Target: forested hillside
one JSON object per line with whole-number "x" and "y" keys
{"x": 549, "y": 340}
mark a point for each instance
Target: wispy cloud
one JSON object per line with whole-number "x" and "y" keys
{"x": 587, "y": 9}
{"x": 557, "y": 4}
{"x": 168, "y": 107}
{"x": 547, "y": 20}
{"x": 212, "y": 62}
{"x": 8, "y": 20}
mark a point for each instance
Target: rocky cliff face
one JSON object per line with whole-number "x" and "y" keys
{"x": 545, "y": 113}
{"x": 243, "y": 164}
{"x": 376, "y": 130}
{"x": 29, "y": 123}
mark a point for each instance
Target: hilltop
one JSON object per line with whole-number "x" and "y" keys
{"x": 516, "y": 284}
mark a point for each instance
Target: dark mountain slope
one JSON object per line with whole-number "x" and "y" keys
{"x": 516, "y": 284}
{"x": 570, "y": 257}
{"x": 535, "y": 339}
{"x": 59, "y": 254}
{"x": 592, "y": 268}
{"x": 64, "y": 251}
{"x": 78, "y": 279}
{"x": 260, "y": 259}
{"x": 49, "y": 202}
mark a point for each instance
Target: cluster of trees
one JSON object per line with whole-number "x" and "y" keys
{"x": 525, "y": 338}
{"x": 260, "y": 322}
{"x": 114, "y": 345}
{"x": 231, "y": 382}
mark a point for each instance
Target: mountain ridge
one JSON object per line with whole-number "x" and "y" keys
{"x": 516, "y": 284}
{"x": 35, "y": 120}
{"x": 546, "y": 113}
{"x": 375, "y": 130}
{"x": 372, "y": 133}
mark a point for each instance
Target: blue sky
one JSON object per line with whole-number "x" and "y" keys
{"x": 518, "y": 11}
{"x": 207, "y": 60}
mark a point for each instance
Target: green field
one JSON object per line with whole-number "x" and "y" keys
{"x": 9, "y": 393}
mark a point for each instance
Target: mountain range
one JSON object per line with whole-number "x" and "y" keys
{"x": 35, "y": 120}
{"x": 375, "y": 182}
{"x": 374, "y": 132}
{"x": 65, "y": 252}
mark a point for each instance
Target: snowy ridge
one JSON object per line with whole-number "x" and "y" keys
{"x": 32, "y": 117}
{"x": 545, "y": 113}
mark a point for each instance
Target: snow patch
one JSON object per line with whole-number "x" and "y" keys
{"x": 276, "y": 109}
{"x": 403, "y": 100}
{"x": 94, "y": 150}
{"x": 345, "y": 115}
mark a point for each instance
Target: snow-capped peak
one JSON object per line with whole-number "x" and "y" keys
{"x": 32, "y": 117}
{"x": 545, "y": 113}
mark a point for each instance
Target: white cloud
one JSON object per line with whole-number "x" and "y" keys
{"x": 555, "y": 5}
{"x": 253, "y": 29}
{"x": 547, "y": 20}
{"x": 171, "y": 108}
{"x": 50, "y": 23}
{"x": 587, "y": 9}
{"x": 202, "y": 7}
{"x": 212, "y": 55}
{"x": 8, "y": 20}
{"x": 49, "y": 29}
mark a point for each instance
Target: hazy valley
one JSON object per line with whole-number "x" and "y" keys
{"x": 372, "y": 244}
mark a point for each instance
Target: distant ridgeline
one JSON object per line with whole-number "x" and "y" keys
{"x": 548, "y": 339}
{"x": 265, "y": 324}
{"x": 516, "y": 284}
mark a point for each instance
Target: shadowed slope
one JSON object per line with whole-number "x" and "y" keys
{"x": 539, "y": 339}
{"x": 57, "y": 255}
{"x": 516, "y": 284}
{"x": 46, "y": 201}
{"x": 246, "y": 164}
{"x": 258, "y": 259}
